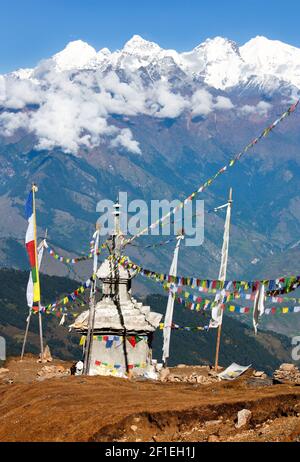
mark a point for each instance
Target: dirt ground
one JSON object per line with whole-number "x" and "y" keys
{"x": 110, "y": 409}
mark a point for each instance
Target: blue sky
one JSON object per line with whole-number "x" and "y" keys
{"x": 31, "y": 30}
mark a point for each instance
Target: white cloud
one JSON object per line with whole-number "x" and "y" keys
{"x": 202, "y": 103}
{"x": 223, "y": 103}
{"x": 125, "y": 140}
{"x": 72, "y": 110}
{"x": 11, "y": 122}
{"x": 16, "y": 94}
{"x": 69, "y": 117}
{"x": 164, "y": 103}
{"x": 261, "y": 109}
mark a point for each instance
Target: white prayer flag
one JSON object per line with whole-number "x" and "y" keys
{"x": 217, "y": 311}
{"x": 259, "y": 306}
{"x": 170, "y": 306}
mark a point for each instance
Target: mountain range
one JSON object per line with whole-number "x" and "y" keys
{"x": 86, "y": 124}
{"x": 220, "y": 62}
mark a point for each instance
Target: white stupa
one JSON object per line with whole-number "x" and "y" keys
{"x": 123, "y": 328}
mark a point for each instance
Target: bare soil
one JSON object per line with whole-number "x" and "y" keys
{"x": 110, "y": 409}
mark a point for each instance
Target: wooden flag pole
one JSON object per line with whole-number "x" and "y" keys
{"x": 34, "y": 190}
{"x": 26, "y": 334}
{"x": 41, "y": 333}
{"x": 223, "y": 271}
{"x": 218, "y": 347}
{"x": 92, "y": 307}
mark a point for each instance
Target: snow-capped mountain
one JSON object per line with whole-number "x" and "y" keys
{"x": 272, "y": 58}
{"x": 68, "y": 100}
{"x": 220, "y": 62}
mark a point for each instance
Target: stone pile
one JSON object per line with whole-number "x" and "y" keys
{"x": 50, "y": 372}
{"x": 287, "y": 373}
{"x": 166, "y": 376}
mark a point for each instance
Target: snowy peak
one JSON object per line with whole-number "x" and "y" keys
{"x": 104, "y": 52}
{"x": 218, "y": 47}
{"x": 268, "y": 47}
{"x": 270, "y": 54}
{"x": 218, "y": 60}
{"x": 139, "y": 46}
{"x": 76, "y": 55}
{"x": 272, "y": 57}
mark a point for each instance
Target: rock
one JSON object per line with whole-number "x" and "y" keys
{"x": 213, "y": 439}
{"x": 258, "y": 382}
{"x": 287, "y": 373}
{"x": 287, "y": 367}
{"x": 244, "y": 417}
{"x": 165, "y": 372}
{"x": 212, "y": 373}
{"x": 210, "y": 423}
{"x": 207, "y": 380}
{"x": 47, "y": 355}
{"x": 173, "y": 378}
{"x": 3, "y": 371}
{"x": 259, "y": 374}
{"x": 181, "y": 366}
{"x": 49, "y": 372}
{"x": 133, "y": 428}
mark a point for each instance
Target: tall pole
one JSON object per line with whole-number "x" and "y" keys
{"x": 92, "y": 311}
{"x": 170, "y": 306}
{"x": 34, "y": 190}
{"x": 223, "y": 271}
{"x": 26, "y": 334}
{"x": 41, "y": 333}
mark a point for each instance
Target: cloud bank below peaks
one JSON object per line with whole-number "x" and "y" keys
{"x": 71, "y": 110}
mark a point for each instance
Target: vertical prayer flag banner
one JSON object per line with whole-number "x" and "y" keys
{"x": 31, "y": 244}
{"x": 30, "y": 288}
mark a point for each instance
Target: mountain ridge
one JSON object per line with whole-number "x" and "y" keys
{"x": 259, "y": 56}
